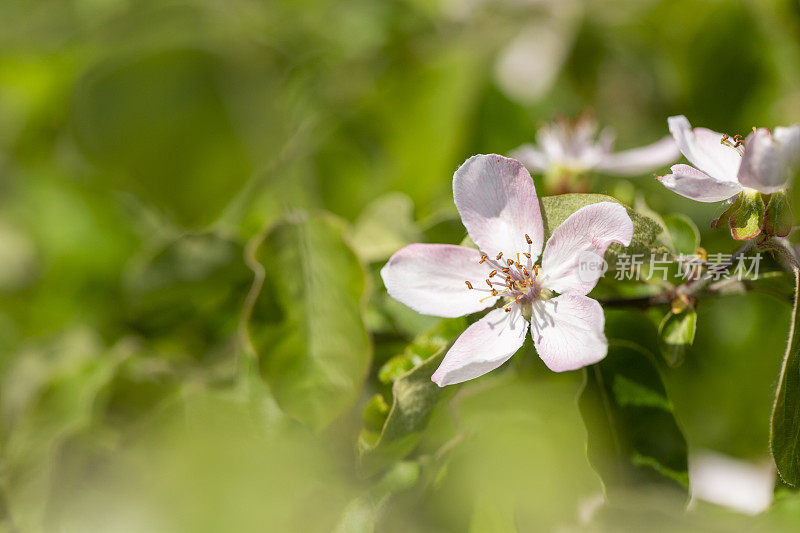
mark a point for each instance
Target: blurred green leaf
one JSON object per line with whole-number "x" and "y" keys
{"x": 414, "y": 397}
{"x": 777, "y": 284}
{"x": 684, "y": 233}
{"x": 633, "y": 435}
{"x": 306, "y": 322}
{"x": 520, "y": 441}
{"x": 375, "y": 413}
{"x": 385, "y": 226}
{"x": 188, "y": 291}
{"x": 556, "y": 209}
{"x": 48, "y": 397}
{"x": 158, "y": 123}
{"x": 676, "y": 335}
{"x": 785, "y": 425}
{"x": 362, "y": 513}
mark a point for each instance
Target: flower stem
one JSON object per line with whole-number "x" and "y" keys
{"x": 696, "y": 288}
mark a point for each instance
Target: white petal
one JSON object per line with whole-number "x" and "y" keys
{"x": 573, "y": 257}
{"x": 696, "y": 185}
{"x": 429, "y": 278}
{"x": 531, "y": 157}
{"x": 730, "y": 482}
{"x": 484, "y": 346}
{"x": 703, "y": 148}
{"x": 568, "y": 332}
{"x": 498, "y": 205}
{"x": 526, "y": 69}
{"x": 641, "y": 160}
{"x": 770, "y": 159}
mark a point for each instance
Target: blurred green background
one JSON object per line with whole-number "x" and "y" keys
{"x": 158, "y": 370}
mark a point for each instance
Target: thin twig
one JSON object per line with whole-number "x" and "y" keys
{"x": 694, "y": 288}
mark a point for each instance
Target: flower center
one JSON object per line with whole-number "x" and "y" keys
{"x": 515, "y": 279}
{"x": 736, "y": 142}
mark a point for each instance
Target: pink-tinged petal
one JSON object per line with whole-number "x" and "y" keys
{"x": 498, "y": 205}
{"x": 534, "y": 159}
{"x": 429, "y": 278}
{"x": 703, "y": 148}
{"x": 568, "y": 332}
{"x": 641, "y": 160}
{"x": 696, "y": 185}
{"x": 770, "y": 159}
{"x": 484, "y": 346}
{"x": 573, "y": 257}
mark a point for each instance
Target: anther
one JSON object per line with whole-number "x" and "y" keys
{"x": 507, "y": 309}
{"x": 469, "y": 285}
{"x": 526, "y": 254}
{"x": 509, "y": 262}
{"x": 524, "y": 272}
{"x": 499, "y": 256}
{"x": 494, "y": 292}
{"x": 489, "y": 283}
{"x": 518, "y": 264}
{"x": 492, "y": 273}
{"x": 484, "y": 257}
{"x": 528, "y": 239}
{"x": 506, "y": 270}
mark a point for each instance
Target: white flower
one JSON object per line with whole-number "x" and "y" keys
{"x": 498, "y": 205}
{"x": 576, "y": 148}
{"x": 725, "y": 166}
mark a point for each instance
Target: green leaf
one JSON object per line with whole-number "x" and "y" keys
{"x": 306, "y": 322}
{"x": 363, "y": 512}
{"x": 375, "y": 413}
{"x": 520, "y": 456}
{"x": 684, "y": 233}
{"x": 664, "y": 238}
{"x": 188, "y": 292}
{"x": 385, "y": 226}
{"x": 632, "y": 432}
{"x": 778, "y": 284}
{"x": 676, "y": 335}
{"x": 49, "y": 396}
{"x": 556, "y": 209}
{"x": 785, "y": 423}
{"x": 414, "y": 397}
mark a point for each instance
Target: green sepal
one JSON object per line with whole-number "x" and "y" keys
{"x": 778, "y": 219}
{"x": 748, "y": 218}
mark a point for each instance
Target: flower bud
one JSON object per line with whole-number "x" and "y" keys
{"x": 778, "y": 219}
{"x": 747, "y": 218}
